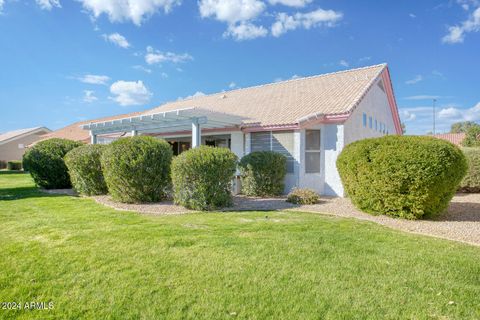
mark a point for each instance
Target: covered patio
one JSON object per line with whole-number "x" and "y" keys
{"x": 186, "y": 124}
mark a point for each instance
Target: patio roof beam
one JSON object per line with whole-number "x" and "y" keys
{"x": 147, "y": 126}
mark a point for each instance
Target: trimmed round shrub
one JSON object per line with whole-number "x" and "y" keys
{"x": 471, "y": 182}
{"x": 85, "y": 169}
{"x": 45, "y": 163}
{"x": 14, "y": 165}
{"x": 402, "y": 176}
{"x": 303, "y": 196}
{"x": 263, "y": 173}
{"x": 137, "y": 169}
{"x": 202, "y": 178}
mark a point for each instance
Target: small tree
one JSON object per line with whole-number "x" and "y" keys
{"x": 402, "y": 176}
{"x": 202, "y": 178}
{"x": 472, "y": 138}
{"x": 471, "y": 182}
{"x": 462, "y": 127}
{"x": 263, "y": 173}
{"x": 137, "y": 169}
{"x": 85, "y": 169}
{"x": 45, "y": 163}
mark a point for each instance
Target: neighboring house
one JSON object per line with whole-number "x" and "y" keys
{"x": 13, "y": 143}
{"x": 309, "y": 120}
{"x": 455, "y": 138}
{"x": 76, "y": 133}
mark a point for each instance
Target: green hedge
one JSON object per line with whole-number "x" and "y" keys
{"x": 471, "y": 182}
{"x": 303, "y": 196}
{"x": 263, "y": 173}
{"x": 14, "y": 165}
{"x": 3, "y": 164}
{"x": 403, "y": 176}
{"x": 85, "y": 169}
{"x": 45, "y": 163}
{"x": 202, "y": 178}
{"x": 137, "y": 169}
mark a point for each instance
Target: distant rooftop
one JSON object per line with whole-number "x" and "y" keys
{"x": 4, "y": 137}
{"x": 455, "y": 138}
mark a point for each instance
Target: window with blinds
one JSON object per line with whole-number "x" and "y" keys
{"x": 278, "y": 141}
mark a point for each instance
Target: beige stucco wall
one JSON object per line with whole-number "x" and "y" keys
{"x": 11, "y": 151}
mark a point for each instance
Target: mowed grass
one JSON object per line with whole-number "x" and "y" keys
{"x": 96, "y": 263}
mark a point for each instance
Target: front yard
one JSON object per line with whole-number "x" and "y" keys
{"x": 95, "y": 262}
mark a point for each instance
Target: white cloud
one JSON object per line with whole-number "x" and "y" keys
{"x": 232, "y": 85}
{"x": 364, "y": 59}
{"x": 136, "y": 11}
{"x": 154, "y": 56}
{"x": 94, "y": 79}
{"x": 407, "y": 115}
{"x": 423, "y": 97}
{"x": 1, "y": 5}
{"x": 415, "y": 80}
{"x": 245, "y": 31}
{"x": 420, "y": 120}
{"x": 344, "y": 63}
{"x": 456, "y": 34}
{"x": 89, "y": 96}
{"x": 164, "y": 75}
{"x": 129, "y": 93}
{"x": 231, "y": 11}
{"x": 438, "y": 74}
{"x": 142, "y": 68}
{"x": 412, "y": 15}
{"x": 238, "y": 14}
{"x": 467, "y": 4}
{"x": 291, "y": 3}
{"x": 317, "y": 18}
{"x": 48, "y": 4}
{"x": 471, "y": 114}
{"x": 195, "y": 95}
{"x": 295, "y": 76}
{"x": 451, "y": 112}
{"x": 117, "y": 39}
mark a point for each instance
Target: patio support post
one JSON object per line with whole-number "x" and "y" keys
{"x": 196, "y": 133}
{"x": 134, "y": 132}
{"x": 93, "y": 138}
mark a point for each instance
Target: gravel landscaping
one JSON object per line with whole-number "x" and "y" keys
{"x": 158, "y": 208}
{"x": 461, "y": 222}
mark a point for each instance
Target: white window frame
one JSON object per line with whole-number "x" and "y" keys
{"x": 319, "y": 151}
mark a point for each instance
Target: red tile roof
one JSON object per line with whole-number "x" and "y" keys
{"x": 455, "y": 138}
{"x": 75, "y": 132}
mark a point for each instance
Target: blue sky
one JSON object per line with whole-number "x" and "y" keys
{"x": 64, "y": 61}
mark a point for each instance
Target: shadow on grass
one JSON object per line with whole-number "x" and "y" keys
{"x": 10, "y": 194}
{"x": 12, "y": 172}
{"x": 461, "y": 212}
{"x": 245, "y": 203}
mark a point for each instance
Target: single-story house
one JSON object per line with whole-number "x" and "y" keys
{"x": 13, "y": 143}
{"x": 309, "y": 120}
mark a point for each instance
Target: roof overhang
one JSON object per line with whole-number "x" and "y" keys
{"x": 168, "y": 121}
{"x": 24, "y": 134}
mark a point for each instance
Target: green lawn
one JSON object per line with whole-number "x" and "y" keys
{"x": 94, "y": 262}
